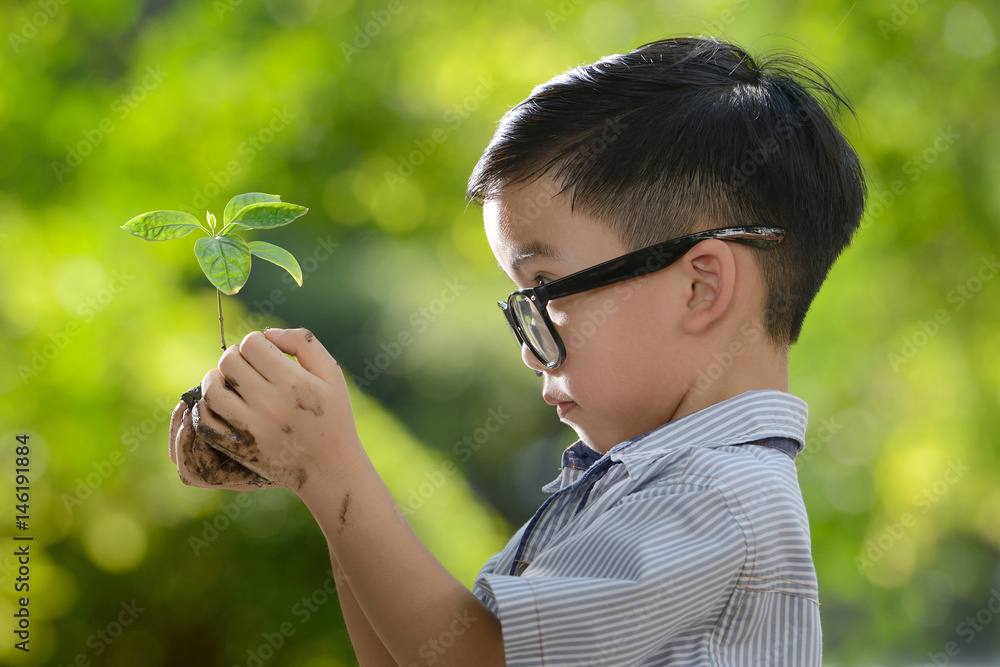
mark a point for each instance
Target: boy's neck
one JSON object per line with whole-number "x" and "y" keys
{"x": 760, "y": 367}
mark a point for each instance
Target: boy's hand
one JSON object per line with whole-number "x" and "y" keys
{"x": 198, "y": 464}
{"x": 283, "y": 420}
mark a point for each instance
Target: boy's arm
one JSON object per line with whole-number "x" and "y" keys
{"x": 416, "y": 606}
{"x": 368, "y": 648}
{"x": 219, "y": 471}
{"x": 293, "y": 423}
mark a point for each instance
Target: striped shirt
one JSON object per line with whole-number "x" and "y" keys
{"x": 687, "y": 545}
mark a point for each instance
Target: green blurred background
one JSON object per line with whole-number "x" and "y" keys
{"x": 372, "y": 114}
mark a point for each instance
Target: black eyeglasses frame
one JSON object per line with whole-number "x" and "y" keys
{"x": 625, "y": 267}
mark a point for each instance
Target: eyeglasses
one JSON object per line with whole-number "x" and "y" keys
{"x": 526, "y": 312}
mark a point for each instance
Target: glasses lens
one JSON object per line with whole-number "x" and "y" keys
{"x": 536, "y": 334}
{"x": 510, "y": 325}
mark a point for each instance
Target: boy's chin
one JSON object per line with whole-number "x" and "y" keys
{"x": 592, "y": 439}
{"x": 604, "y": 439}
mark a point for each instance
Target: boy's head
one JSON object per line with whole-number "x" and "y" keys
{"x": 674, "y": 137}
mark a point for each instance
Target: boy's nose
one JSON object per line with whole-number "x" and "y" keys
{"x": 529, "y": 359}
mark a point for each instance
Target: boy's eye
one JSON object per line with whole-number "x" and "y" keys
{"x": 541, "y": 280}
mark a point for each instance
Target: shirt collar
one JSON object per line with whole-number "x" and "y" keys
{"x": 752, "y": 415}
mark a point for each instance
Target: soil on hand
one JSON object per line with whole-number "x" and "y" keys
{"x": 210, "y": 459}
{"x": 212, "y": 465}
{"x": 191, "y": 396}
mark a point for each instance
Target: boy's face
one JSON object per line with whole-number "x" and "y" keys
{"x": 626, "y": 353}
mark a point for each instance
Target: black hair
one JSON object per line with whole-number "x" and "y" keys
{"x": 686, "y": 134}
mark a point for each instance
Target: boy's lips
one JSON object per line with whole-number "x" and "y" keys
{"x": 563, "y": 406}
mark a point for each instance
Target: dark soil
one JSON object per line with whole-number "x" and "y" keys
{"x": 211, "y": 464}
{"x": 192, "y": 396}
{"x": 214, "y": 465}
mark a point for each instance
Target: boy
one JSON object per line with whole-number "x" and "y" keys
{"x": 668, "y": 216}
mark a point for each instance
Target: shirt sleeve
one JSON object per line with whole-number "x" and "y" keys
{"x": 655, "y": 563}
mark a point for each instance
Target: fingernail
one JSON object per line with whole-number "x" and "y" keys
{"x": 267, "y": 328}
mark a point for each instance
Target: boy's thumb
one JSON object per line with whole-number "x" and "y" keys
{"x": 307, "y": 350}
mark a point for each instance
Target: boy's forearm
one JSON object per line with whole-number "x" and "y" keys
{"x": 368, "y": 648}
{"x": 416, "y": 607}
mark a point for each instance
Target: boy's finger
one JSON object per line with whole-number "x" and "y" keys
{"x": 307, "y": 350}
{"x": 199, "y": 464}
{"x": 176, "y": 417}
{"x": 183, "y": 450}
{"x": 229, "y": 443}
{"x": 262, "y": 356}
{"x": 220, "y": 397}
{"x": 237, "y": 370}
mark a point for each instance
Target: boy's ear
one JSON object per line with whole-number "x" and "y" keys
{"x": 709, "y": 272}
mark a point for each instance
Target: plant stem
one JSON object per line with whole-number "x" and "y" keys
{"x": 222, "y": 331}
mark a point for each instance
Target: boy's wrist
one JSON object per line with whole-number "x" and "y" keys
{"x": 330, "y": 473}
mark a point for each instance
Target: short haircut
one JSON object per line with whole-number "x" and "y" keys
{"x": 686, "y": 134}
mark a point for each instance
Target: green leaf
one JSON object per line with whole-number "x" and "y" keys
{"x": 225, "y": 260}
{"x": 267, "y": 215}
{"x": 239, "y": 202}
{"x": 162, "y": 225}
{"x": 279, "y": 256}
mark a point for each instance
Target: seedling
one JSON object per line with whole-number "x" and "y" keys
{"x": 224, "y": 256}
